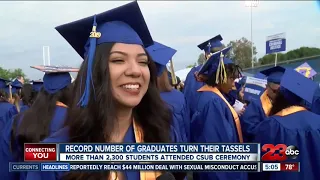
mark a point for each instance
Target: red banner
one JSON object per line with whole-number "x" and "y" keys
{"x": 40, "y": 152}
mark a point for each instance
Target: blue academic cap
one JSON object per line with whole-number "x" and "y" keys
{"x": 124, "y": 24}
{"x": 161, "y": 55}
{"x": 216, "y": 63}
{"x": 211, "y": 43}
{"x": 274, "y": 74}
{"x": 3, "y": 83}
{"x": 37, "y": 85}
{"x": 55, "y": 78}
{"x": 17, "y": 84}
{"x": 298, "y": 85}
{"x": 213, "y": 62}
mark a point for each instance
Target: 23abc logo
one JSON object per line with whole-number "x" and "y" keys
{"x": 283, "y": 153}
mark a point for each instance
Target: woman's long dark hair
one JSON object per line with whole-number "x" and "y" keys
{"x": 35, "y": 123}
{"x": 26, "y": 94}
{"x": 94, "y": 124}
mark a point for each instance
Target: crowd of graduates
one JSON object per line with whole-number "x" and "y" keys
{"x": 124, "y": 92}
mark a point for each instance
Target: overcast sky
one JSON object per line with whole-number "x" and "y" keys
{"x": 27, "y": 26}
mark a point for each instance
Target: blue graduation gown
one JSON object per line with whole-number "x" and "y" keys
{"x": 5, "y": 141}
{"x": 213, "y": 123}
{"x": 62, "y": 136}
{"x": 5, "y": 153}
{"x": 181, "y": 116}
{"x": 253, "y": 114}
{"x": 301, "y": 129}
{"x": 191, "y": 86}
{"x": 7, "y": 111}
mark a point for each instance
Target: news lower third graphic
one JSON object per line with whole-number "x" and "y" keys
{"x": 158, "y": 157}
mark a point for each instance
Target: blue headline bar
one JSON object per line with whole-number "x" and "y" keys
{"x": 158, "y": 148}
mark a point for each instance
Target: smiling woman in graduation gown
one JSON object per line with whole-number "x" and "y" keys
{"x": 215, "y": 120}
{"x": 290, "y": 123}
{"x": 191, "y": 84}
{"x": 161, "y": 55}
{"x": 115, "y": 96}
{"x": 45, "y": 117}
{"x": 258, "y": 109}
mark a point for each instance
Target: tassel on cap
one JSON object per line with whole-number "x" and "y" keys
{"x": 221, "y": 74}
{"x": 94, "y": 35}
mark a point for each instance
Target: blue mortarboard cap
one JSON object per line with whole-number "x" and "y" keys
{"x": 55, "y": 78}
{"x": 3, "y": 83}
{"x": 124, "y": 24}
{"x": 298, "y": 85}
{"x": 274, "y": 74}
{"x": 17, "y": 84}
{"x": 212, "y": 63}
{"x": 211, "y": 43}
{"x": 161, "y": 55}
{"x": 37, "y": 85}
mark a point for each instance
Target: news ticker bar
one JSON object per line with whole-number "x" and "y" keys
{"x": 289, "y": 167}
{"x": 203, "y": 167}
{"x": 142, "y": 152}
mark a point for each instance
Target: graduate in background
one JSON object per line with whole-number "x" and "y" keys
{"x": 44, "y": 117}
{"x": 192, "y": 82}
{"x": 215, "y": 120}
{"x": 258, "y": 109}
{"x": 7, "y": 109}
{"x": 235, "y": 94}
{"x": 115, "y": 95}
{"x": 161, "y": 55}
{"x": 290, "y": 123}
{"x": 17, "y": 85}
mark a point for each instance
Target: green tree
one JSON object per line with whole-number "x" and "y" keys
{"x": 201, "y": 59}
{"x": 293, "y": 54}
{"x": 11, "y": 74}
{"x": 240, "y": 52}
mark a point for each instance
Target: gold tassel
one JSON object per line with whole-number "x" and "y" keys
{"x": 221, "y": 74}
